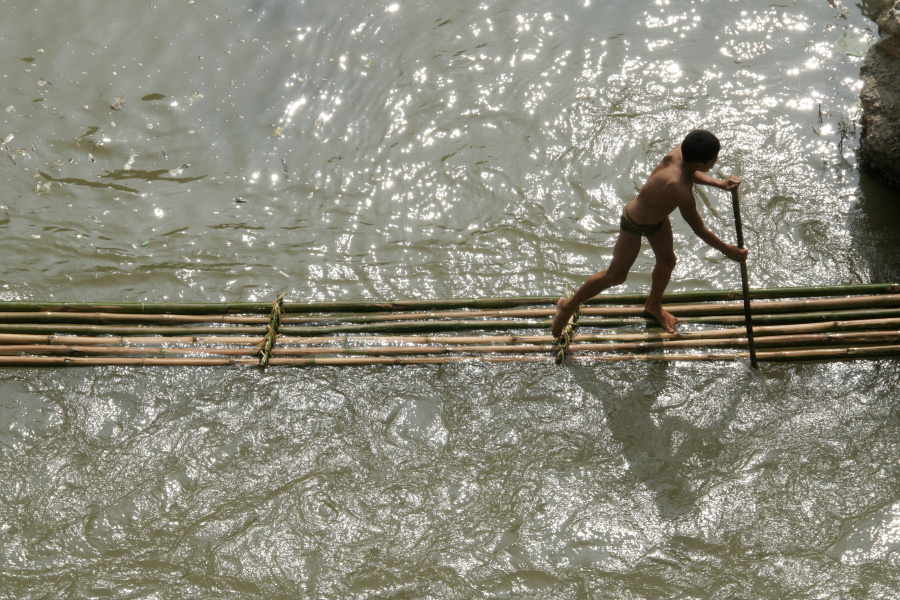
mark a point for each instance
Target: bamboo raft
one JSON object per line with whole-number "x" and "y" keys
{"x": 789, "y": 324}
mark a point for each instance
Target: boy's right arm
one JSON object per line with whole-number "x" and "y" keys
{"x": 688, "y": 208}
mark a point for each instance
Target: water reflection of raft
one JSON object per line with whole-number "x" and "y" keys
{"x": 790, "y": 324}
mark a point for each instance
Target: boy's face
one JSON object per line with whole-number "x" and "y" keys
{"x": 709, "y": 165}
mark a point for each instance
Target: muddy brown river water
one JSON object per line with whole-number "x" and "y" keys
{"x": 413, "y": 149}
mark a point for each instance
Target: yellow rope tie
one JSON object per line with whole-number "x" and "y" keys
{"x": 265, "y": 346}
{"x": 568, "y": 334}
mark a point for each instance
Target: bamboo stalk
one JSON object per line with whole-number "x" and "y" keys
{"x": 736, "y": 332}
{"x": 638, "y": 298}
{"x": 105, "y": 318}
{"x": 538, "y": 339}
{"x": 774, "y": 341}
{"x": 785, "y": 355}
{"x": 471, "y": 325}
{"x": 124, "y": 361}
{"x": 770, "y": 307}
{"x": 777, "y": 341}
{"x": 493, "y": 303}
{"x": 138, "y": 307}
{"x": 69, "y": 340}
{"x": 427, "y": 326}
{"x": 127, "y": 330}
{"x": 831, "y": 354}
{"x": 41, "y": 349}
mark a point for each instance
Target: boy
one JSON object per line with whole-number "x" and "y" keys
{"x": 669, "y": 186}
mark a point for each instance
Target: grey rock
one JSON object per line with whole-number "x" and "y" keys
{"x": 879, "y": 148}
{"x": 889, "y": 20}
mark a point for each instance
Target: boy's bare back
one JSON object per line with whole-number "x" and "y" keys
{"x": 668, "y": 186}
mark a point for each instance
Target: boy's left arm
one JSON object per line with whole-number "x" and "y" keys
{"x": 731, "y": 183}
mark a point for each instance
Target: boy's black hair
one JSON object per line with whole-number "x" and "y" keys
{"x": 700, "y": 146}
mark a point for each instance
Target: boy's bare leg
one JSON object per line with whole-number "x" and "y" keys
{"x": 663, "y": 250}
{"x": 624, "y": 253}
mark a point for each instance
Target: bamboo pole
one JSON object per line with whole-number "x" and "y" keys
{"x": 493, "y": 324}
{"x": 108, "y": 317}
{"x": 127, "y": 330}
{"x": 820, "y": 354}
{"x": 696, "y": 309}
{"x": 426, "y": 326}
{"x": 637, "y": 298}
{"x": 538, "y": 339}
{"x": 744, "y": 279}
{"x": 41, "y": 349}
{"x": 139, "y": 307}
{"x": 776, "y": 341}
{"x": 769, "y": 307}
{"x": 378, "y": 341}
{"x": 493, "y": 303}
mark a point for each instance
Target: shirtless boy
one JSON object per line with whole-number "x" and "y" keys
{"x": 669, "y": 186}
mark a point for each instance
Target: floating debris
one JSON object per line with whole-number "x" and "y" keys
{"x": 9, "y": 154}
{"x": 128, "y": 165}
{"x": 284, "y": 170}
{"x": 279, "y": 131}
{"x": 196, "y": 95}
{"x": 240, "y": 200}
{"x": 118, "y": 103}
{"x": 150, "y": 97}
{"x": 179, "y": 170}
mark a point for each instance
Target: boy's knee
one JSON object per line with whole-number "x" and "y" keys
{"x": 667, "y": 261}
{"x": 617, "y": 278}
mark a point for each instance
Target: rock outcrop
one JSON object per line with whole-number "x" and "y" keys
{"x": 879, "y": 147}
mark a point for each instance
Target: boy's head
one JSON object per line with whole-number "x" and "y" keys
{"x": 700, "y": 146}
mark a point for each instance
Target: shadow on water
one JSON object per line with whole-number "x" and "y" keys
{"x": 873, "y": 225}
{"x": 156, "y": 175}
{"x": 663, "y": 451}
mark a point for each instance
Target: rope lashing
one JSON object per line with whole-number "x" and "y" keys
{"x": 265, "y": 346}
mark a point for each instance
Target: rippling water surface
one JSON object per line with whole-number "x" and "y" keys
{"x": 350, "y": 150}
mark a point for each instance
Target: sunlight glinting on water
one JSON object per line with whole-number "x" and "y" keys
{"x": 338, "y": 150}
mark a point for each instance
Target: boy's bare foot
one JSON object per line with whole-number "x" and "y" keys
{"x": 665, "y": 318}
{"x": 563, "y": 314}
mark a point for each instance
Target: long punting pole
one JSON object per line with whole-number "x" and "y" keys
{"x": 735, "y": 203}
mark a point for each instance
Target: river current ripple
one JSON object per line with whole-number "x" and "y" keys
{"x": 413, "y": 149}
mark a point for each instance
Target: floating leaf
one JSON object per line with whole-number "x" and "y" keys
{"x": 150, "y": 97}
{"x": 855, "y": 43}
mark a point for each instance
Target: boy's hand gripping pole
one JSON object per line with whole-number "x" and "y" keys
{"x": 746, "y": 286}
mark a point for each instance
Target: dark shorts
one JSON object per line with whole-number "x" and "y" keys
{"x": 626, "y": 224}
